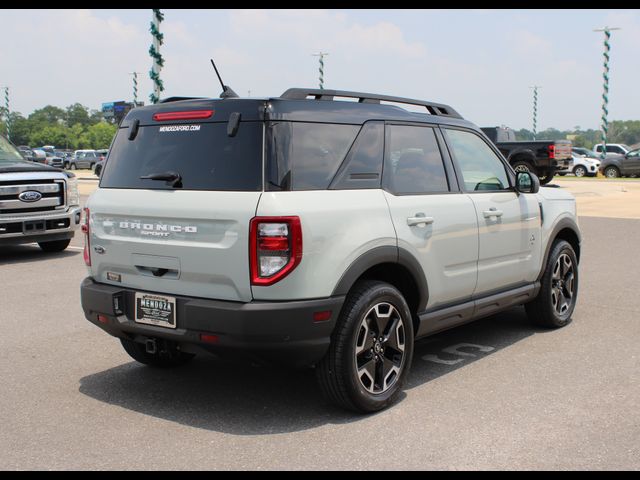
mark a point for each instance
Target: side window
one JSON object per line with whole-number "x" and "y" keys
{"x": 414, "y": 163}
{"x": 481, "y": 168}
{"x": 363, "y": 166}
{"x": 598, "y": 148}
{"x": 614, "y": 149}
{"x": 306, "y": 156}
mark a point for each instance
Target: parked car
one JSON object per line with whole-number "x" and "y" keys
{"x": 621, "y": 165}
{"x": 39, "y": 203}
{"x": 581, "y": 166}
{"x": 39, "y": 156}
{"x": 585, "y": 152}
{"x": 99, "y": 167}
{"x": 83, "y": 159}
{"x": 318, "y": 232}
{"x": 28, "y": 154}
{"x": 612, "y": 149}
{"x": 543, "y": 157}
{"x": 53, "y": 160}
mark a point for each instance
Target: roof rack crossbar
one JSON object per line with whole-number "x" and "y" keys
{"x": 317, "y": 94}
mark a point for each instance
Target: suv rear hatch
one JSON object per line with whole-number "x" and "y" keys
{"x": 187, "y": 235}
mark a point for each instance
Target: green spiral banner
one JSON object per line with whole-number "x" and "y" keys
{"x": 535, "y": 111}
{"x": 605, "y": 93}
{"x": 154, "y": 52}
{"x": 8, "y": 112}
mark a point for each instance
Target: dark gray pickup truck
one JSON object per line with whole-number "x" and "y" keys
{"x": 542, "y": 157}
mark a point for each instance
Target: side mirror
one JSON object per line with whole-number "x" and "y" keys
{"x": 527, "y": 182}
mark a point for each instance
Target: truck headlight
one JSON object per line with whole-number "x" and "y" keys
{"x": 73, "y": 197}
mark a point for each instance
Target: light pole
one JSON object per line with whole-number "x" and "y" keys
{"x": 135, "y": 88}
{"x": 8, "y": 112}
{"x": 605, "y": 93}
{"x": 154, "y": 51}
{"x": 535, "y": 109}
{"x": 321, "y": 68}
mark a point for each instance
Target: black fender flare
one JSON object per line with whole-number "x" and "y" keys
{"x": 528, "y": 156}
{"x": 564, "y": 223}
{"x": 380, "y": 255}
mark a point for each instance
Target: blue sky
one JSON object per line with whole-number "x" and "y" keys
{"x": 481, "y": 62}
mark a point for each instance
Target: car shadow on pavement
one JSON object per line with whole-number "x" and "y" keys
{"x": 13, "y": 254}
{"x": 250, "y": 399}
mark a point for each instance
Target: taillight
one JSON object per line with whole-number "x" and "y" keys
{"x": 85, "y": 229}
{"x": 552, "y": 151}
{"x": 275, "y": 248}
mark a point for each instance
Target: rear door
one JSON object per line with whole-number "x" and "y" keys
{"x": 631, "y": 163}
{"x": 186, "y": 237}
{"x": 509, "y": 222}
{"x": 434, "y": 221}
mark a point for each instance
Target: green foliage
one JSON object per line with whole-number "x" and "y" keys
{"x": 72, "y": 128}
{"x": 620, "y": 131}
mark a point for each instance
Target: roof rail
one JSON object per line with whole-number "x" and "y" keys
{"x": 177, "y": 99}
{"x": 304, "y": 93}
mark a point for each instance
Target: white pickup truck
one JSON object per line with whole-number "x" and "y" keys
{"x": 38, "y": 203}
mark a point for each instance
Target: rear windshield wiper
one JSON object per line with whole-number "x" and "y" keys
{"x": 173, "y": 179}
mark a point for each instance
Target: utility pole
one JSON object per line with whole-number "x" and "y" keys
{"x": 154, "y": 51}
{"x": 8, "y": 112}
{"x": 605, "y": 93}
{"x": 535, "y": 109}
{"x": 321, "y": 68}
{"x": 135, "y": 88}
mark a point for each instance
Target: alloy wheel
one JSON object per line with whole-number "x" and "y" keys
{"x": 562, "y": 284}
{"x": 380, "y": 348}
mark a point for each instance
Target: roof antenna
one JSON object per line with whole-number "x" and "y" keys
{"x": 227, "y": 91}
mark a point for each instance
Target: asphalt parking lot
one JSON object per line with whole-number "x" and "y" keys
{"x": 494, "y": 394}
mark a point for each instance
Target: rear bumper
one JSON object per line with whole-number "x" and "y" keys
{"x": 281, "y": 332}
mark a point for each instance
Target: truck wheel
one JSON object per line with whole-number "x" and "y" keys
{"x": 556, "y": 300}
{"x": 163, "y": 358}
{"x": 73, "y": 166}
{"x": 545, "y": 178}
{"x": 579, "y": 171}
{"x": 97, "y": 171}
{"x": 55, "y": 246}
{"x": 66, "y": 165}
{"x": 611, "y": 172}
{"x": 371, "y": 349}
{"x": 522, "y": 166}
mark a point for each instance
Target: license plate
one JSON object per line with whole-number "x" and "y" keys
{"x": 157, "y": 310}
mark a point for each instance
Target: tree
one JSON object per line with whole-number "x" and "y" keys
{"x": 77, "y": 113}
{"x": 100, "y": 135}
{"x": 47, "y": 115}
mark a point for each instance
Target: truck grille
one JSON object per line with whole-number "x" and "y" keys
{"x": 52, "y": 196}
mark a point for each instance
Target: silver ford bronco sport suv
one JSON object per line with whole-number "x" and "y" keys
{"x": 317, "y": 232}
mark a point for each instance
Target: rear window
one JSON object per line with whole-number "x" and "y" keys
{"x": 306, "y": 156}
{"x": 203, "y": 154}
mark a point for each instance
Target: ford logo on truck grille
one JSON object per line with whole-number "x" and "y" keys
{"x": 30, "y": 196}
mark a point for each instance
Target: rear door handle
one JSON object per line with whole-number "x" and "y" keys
{"x": 420, "y": 218}
{"x": 492, "y": 212}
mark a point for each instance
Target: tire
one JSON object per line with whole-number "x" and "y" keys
{"x": 66, "y": 165}
{"x": 54, "y": 246}
{"x": 372, "y": 310}
{"x": 561, "y": 174}
{"x": 545, "y": 178}
{"x": 97, "y": 171}
{"x": 611, "y": 172}
{"x": 91, "y": 166}
{"x": 580, "y": 171}
{"x": 554, "y": 305}
{"x": 73, "y": 166}
{"x": 170, "y": 357}
{"x": 522, "y": 166}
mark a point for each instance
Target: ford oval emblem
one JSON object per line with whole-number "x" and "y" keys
{"x": 30, "y": 196}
